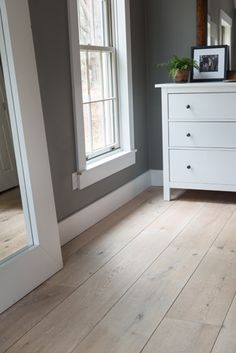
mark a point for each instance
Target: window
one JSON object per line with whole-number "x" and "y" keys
{"x": 102, "y": 87}
{"x": 98, "y": 73}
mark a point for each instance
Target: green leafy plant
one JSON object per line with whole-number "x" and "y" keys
{"x": 179, "y": 64}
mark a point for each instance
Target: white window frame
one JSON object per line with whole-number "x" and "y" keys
{"x": 90, "y": 172}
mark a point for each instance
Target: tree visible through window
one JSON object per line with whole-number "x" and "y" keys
{"x": 98, "y": 75}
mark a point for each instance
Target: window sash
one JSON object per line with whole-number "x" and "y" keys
{"x": 110, "y": 125}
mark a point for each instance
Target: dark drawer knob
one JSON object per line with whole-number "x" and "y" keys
{"x": 188, "y": 134}
{"x": 188, "y": 106}
{"x": 188, "y": 166}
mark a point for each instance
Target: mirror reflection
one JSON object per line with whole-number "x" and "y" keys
{"x": 13, "y": 228}
{"x": 221, "y": 26}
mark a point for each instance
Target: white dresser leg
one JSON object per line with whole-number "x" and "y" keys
{"x": 167, "y": 193}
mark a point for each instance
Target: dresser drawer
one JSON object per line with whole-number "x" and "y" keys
{"x": 202, "y": 106}
{"x": 203, "y": 167}
{"x": 202, "y": 134}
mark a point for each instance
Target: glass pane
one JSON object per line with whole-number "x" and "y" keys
{"x": 14, "y": 230}
{"x": 98, "y": 126}
{"x": 93, "y": 22}
{"x": 99, "y": 100}
{"x": 95, "y": 76}
{"x": 84, "y": 76}
{"x": 107, "y": 75}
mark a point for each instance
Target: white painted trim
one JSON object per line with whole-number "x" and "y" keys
{"x": 90, "y": 215}
{"x": 156, "y": 177}
{"x": 105, "y": 167}
{"x": 124, "y": 67}
{"x": 76, "y": 83}
{"x": 89, "y": 174}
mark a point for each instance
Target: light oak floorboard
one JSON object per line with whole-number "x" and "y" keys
{"x": 13, "y": 235}
{"x": 128, "y": 292}
{"x": 131, "y": 322}
{"x": 226, "y": 341}
{"x": 227, "y": 238}
{"x": 110, "y": 237}
{"x": 153, "y": 197}
{"x": 175, "y": 336}
{"x": 71, "y": 321}
{"x": 21, "y": 317}
{"x": 210, "y": 292}
{"x": 30, "y": 310}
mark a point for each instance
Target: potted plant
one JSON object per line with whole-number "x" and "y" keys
{"x": 179, "y": 68}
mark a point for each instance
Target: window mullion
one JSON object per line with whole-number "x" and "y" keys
{"x": 100, "y": 100}
{"x": 97, "y": 48}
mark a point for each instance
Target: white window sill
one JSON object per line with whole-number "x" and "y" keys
{"x": 103, "y": 168}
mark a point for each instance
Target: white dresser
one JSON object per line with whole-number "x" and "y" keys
{"x": 199, "y": 136}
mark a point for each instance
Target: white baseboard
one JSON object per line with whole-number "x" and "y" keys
{"x": 156, "y": 177}
{"x": 74, "y": 225}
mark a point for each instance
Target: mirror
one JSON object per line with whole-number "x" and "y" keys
{"x": 216, "y": 25}
{"x": 14, "y": 231}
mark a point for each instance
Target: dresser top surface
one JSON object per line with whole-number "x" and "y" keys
{"x": 222, "y": 85}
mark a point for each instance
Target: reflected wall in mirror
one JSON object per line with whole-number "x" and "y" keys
{"x": 221, "y": 26}
{"x": 218, "y": 17}
{"x": 14, "y": 236}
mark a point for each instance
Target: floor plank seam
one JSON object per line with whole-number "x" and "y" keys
{"x": 161, "y": 253}
{"x": 219, "y": 232}
{"x": 171, "y": 204}
{"x": 222, "y": 326}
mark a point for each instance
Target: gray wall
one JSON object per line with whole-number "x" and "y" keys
{"x": 50, "y": 33}
{"x": 171, "y": 30}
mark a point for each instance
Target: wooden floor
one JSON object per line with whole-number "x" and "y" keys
{"x": 12, "y": 223}
{"x": 154, "y": 277}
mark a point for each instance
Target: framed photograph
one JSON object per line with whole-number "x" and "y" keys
{"x": 212, "y": 62}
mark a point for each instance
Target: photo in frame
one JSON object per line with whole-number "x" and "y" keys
{"x": 212, "y": 62}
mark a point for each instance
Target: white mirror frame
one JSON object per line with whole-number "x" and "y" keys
{"x": 25, "y": 271}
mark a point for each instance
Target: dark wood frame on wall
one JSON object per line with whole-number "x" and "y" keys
{"x": 202, "y": 22}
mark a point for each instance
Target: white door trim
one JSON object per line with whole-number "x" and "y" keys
{"x": 23, "y": 272}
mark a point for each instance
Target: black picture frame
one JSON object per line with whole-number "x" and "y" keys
{"x": 213, "y": 62}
